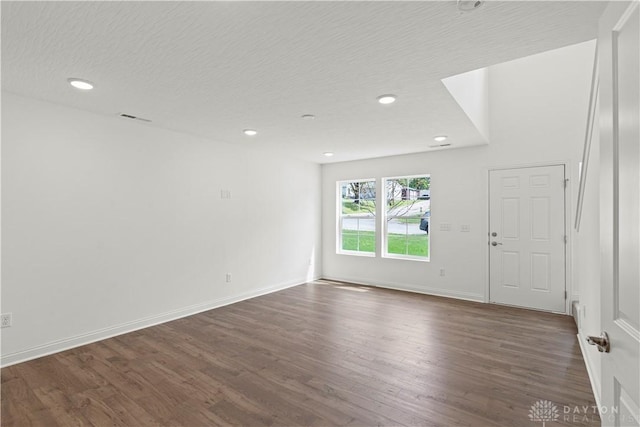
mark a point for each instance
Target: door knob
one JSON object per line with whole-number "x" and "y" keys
{"x": 603, "y": 343}
{"x": 494, "y": 243}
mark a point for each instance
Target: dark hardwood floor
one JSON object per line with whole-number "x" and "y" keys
{"x": 318, "y": 354}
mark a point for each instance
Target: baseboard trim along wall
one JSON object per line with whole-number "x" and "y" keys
{"x": 595, "y": 382}
{"x": 467, "y": 296}
{"x": 124, "y": 328}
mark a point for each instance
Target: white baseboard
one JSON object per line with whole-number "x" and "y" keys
{"x": 595, "y": 382}
{"x": 468, "y": 296}
{"x": 112, "y": 331}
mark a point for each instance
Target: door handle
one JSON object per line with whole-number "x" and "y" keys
{"x": 603, "y": 343}
{"x": 494, "y": 243}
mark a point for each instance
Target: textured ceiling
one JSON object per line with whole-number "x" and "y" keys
{"x": 215, "y": 68}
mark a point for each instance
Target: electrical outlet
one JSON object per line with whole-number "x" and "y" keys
{"x": 228, "y": 277}
{"x": 5, "y": 320}
{"x": 442, "y": 271}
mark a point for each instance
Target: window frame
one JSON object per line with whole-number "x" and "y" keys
{"x": 340, "y": 216}
{"x": 385, "y": 221}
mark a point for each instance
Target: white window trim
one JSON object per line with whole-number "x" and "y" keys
{"x": 384, "y": 249}
{"x": 338, "y": 211}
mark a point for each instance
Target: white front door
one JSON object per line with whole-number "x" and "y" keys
{"x": 619, "y": 64}
{"x": 527, "y": 237}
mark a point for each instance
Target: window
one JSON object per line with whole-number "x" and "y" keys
{"x": 407, "y": 217}
{"x": 357, "y": 217}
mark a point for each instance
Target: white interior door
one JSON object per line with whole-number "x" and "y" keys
{"x": 527, "y": 237}
{"x": 619, "y": 58}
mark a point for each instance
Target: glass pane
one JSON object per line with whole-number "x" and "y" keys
{"x": 408, "y": 196}
{"x": 408, "y": 207}
{"x": 358, "y": 234}
{"x": 367, "y": 190}
{"x": 417, "y": 240}
{"x": 358, "y": 207}
{"x": 346, "y": 191}
{"x": 408, "y": 236}
{"x": 358, "y": 198}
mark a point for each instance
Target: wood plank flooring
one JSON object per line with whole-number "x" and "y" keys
{"x": 319, "y": 354}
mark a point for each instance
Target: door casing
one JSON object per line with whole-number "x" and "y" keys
{"x": 569, "y": 173}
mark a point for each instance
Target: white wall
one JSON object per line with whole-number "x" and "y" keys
{"x": 110, "y": 225}
{"x": 471, "y": 92}
{"x": 587, "y": 264}
{"x": 537, "y": 112}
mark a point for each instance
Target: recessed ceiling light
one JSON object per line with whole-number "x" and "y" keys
{"x": 250, "y": 132}
{"x": 328, "y": 154}
{"x": 387, "y": 99}
{"x": 80, "y": 84}
{"x": 440, "y": 138}
{"x": 308, "y": 116}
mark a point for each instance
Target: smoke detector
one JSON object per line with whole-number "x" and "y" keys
{"x": 469, "y": 5}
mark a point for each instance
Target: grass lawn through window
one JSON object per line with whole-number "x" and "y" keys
{"x": 400, "y": 244}
{"x": 359, "y": 241}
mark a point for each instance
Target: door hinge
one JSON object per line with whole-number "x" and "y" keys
{"x": 565, "y": 239}
{"x": 565, "y": 294}
{"x": 565, "y": 182}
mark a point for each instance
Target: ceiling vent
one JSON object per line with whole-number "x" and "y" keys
{"x": 469, "y": 5}
{"x": 130, "y": 117}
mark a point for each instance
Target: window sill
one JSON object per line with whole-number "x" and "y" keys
{"x": 407, "y": 257}
{"x": 354, "y": 253}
